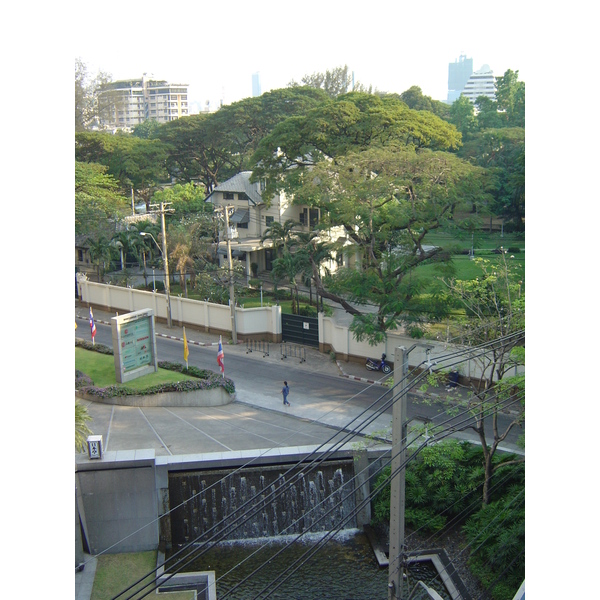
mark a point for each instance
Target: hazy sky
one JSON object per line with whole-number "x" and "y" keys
{"x": 216, "y": 47}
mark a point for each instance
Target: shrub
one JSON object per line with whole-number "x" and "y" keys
{"x": 308, "y": 311}
{"x": 207, "y": 380}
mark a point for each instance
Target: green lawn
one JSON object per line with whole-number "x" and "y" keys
{"x": 116, "y": 572}
{"x": 101, "y": 369}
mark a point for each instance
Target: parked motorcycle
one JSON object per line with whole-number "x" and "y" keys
{"x": 373, "y": 364}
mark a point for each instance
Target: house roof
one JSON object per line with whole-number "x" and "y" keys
{"x": 240, "y": 183}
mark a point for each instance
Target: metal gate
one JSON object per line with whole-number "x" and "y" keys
{"x": 300, "y": 330}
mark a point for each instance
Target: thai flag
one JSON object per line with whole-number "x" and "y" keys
{"x": 92, "y": 324}
{"x": 221, "y": 357}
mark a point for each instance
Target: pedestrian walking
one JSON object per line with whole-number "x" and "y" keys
{"x": 285, "y": 391}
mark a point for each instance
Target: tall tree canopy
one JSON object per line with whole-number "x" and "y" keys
{"x": 352, "y": 122}
{"x": 388, "y": 199}
{"x": 210, "y": 148}
{"x": 334, "y": 83}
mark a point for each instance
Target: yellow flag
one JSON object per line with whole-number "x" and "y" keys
{"x": 186, "y": 350}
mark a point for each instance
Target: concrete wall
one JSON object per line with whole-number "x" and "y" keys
{"x": 122, "y": 499}
{"x": 265, "y": 323}
{"x": 213, "y": 318}
{"x": 117, "y": 501}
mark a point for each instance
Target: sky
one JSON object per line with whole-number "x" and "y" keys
{"x": 215, "y": 48}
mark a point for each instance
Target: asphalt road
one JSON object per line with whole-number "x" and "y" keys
{"x": 258, "y": 381}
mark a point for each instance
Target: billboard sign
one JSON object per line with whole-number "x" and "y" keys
{"x": 134, "y": 345}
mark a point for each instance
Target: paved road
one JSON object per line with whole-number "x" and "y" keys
{"x": 325, "y": 395}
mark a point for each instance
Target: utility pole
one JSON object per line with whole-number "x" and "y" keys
{"x": 167, "y": 282}
{"x": 397, "y": 483}
{"x": 230, "y": 267}
{"x": 162, "y": 211}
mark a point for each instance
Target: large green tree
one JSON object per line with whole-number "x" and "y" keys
{"x": 136, "y": 163}
{"x": 97, "y": 198}
{"x": 494, "y": 321}
{"x": 209, "y": 148}
{"x": 388, "y": 199}
{"x": 334, "y": 82}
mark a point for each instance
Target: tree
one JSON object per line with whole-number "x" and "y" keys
{"x": 209, "y": 148}
{"x": 97, "y": 198}
{"x": 100, "y": 253}
{"x": 495, "y": 317}
{"x": 136, "y": 163}
{"x": 351, "y": 123}
{"x": 488, "y": 116}
{"x": 81, "y": 429}
{"x": 414, "y": 98}
{"x": 510, "y": 98}
{"x": 86, "y": 109}
{"x": 462, "y": 116}
{"x": 335, "y": 82}
{"x": 502, "y": 153}
{"x": 388, "y": 199}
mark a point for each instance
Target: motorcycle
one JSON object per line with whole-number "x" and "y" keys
{"x": 374, "y": 364}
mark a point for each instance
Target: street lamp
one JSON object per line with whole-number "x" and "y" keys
{"x": 163, "y": 253}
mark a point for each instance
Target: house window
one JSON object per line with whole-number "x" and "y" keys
{"x": 269, "y": 221}
{"x": 228, "y": 196}
{"x": 243, "y": 196}
{"x": 314, "y": 217}
{"x": 80, "y": 255}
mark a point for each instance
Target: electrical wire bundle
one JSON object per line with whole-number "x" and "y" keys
{"x": 196, "y": 548}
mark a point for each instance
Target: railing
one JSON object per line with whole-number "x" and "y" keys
{"x": 257, "y": 346}
{"x": 294, "y": 351}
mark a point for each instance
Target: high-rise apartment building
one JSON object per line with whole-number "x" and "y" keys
{"x": 458, "y": 75}
{"x": 481, "y": 83}
{"x": 127, "y": 103}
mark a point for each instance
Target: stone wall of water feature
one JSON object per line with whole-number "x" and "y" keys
{"x": 278, "y": 503}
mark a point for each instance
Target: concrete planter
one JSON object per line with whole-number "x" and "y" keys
{"x": 215, "y": 397}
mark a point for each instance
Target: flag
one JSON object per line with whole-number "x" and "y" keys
{"x": 221, "y": 357}
{"x": 92, "y": 324}
{"x": 186, "y": 350}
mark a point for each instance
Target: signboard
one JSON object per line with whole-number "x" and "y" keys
{"x": 134, "y": 345}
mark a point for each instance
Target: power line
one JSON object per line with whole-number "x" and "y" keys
{"x": 353, "y": 433}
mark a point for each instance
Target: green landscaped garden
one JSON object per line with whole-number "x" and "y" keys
{"x": 100, "y": 368}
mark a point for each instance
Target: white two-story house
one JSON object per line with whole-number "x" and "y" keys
{"x": 250, "y": 218}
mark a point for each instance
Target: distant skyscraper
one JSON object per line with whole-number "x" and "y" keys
{"x": 458, "y": 75}
{"x": 256, "y": 84}
{"x": 481, "y": 83}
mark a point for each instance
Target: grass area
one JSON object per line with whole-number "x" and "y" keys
{"x": 101, "y": 369}
{"x": 116, "y": 572}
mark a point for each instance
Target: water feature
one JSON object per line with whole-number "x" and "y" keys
{"x": 280, "y": 502}
{"x": 344, "y": 569}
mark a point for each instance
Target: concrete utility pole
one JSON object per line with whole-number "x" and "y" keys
{"x": 167, "y": 282}
{"x": 162, "y": 211}
{"x": 397, "y": 484}
{"x": 230, "y": 267}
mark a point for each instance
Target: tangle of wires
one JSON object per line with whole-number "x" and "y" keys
{"x": 222, "y": 531}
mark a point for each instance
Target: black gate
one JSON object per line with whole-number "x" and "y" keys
{"x": 300, "y": 330}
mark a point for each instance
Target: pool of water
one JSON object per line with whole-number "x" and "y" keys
{"x": 343, "y": 569}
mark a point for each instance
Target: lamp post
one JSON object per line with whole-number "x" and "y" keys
{"x": 163, "y": 253}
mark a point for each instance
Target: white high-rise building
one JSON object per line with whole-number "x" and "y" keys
{"x": 481, "y": 83}
{"x": 127, "y": 103}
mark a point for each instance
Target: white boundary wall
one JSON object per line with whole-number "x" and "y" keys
{"x": 184, "y": 311}
{"x": 266, "y": 322}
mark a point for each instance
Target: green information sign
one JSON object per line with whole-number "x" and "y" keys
{"x": 134, "y": 344}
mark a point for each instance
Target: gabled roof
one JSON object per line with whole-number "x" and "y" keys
{"x": 240, "y": 183}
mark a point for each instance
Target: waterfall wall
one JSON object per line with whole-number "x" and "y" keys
{"x": 309, "y": 498}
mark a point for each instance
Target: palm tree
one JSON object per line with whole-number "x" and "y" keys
{"x": 81, "y": 428}
{"x": 181, "y": 254}
{"x": 99, "y": 252}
